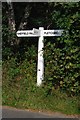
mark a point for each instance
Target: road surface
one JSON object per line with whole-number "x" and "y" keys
{"x": 9, "y": 112}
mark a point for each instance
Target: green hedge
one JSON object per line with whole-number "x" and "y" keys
{"x": 61, "y": 54}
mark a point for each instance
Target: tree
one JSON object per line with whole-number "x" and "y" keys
{"x": 11, "y": 22}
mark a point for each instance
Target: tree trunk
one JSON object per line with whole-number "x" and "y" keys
{"x": 24, "y": 22}
{"x": 12, "y": 38}
{"x": 11, "y": 23}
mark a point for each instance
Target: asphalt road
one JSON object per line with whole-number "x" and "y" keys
{"x": 9, "y": 112}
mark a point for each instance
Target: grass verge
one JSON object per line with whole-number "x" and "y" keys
{"x": 21, "y": 91}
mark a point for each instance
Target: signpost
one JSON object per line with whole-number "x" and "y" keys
{"x": 36, "y": 31}
{"x": 41, "y": 33}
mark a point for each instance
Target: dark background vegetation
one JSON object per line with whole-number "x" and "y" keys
{"x": 61, "y": 54}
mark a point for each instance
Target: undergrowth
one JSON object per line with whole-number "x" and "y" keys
{"x": 20, "y": 90}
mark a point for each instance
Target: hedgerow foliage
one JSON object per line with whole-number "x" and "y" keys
{"x": 61, "y": 54}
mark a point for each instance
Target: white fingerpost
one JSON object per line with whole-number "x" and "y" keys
{"x": 40, "y": 65}
{"x": 41, "y": 33}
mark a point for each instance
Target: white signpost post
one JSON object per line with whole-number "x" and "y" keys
{"x": 41, "y": 33}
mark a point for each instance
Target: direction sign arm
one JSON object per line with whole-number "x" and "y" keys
{"x": 36, "y": 31}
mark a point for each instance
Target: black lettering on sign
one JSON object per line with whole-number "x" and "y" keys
{"x": 30, "y": 33}
{"x": 48, "y": 32}
{"x": 24, "y": 33}
{"x": 55, "y": 32}
{"x": 19, "y": 33}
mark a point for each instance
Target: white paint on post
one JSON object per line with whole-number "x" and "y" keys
{"x": 40, "y": 65}
{"x": 52, "y": 33}
{"x": 41, "y": 33}
{"x": 36, "y": 31}
{"x": 27, "y": 33}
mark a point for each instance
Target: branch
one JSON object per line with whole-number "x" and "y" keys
{"x": 25, "y": 17}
